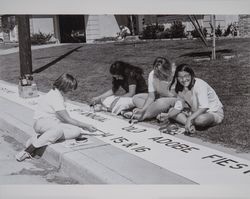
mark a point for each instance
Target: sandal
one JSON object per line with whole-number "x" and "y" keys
{"x": 81, "y": 139}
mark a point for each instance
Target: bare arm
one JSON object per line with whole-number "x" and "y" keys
{"x": 96, "y": 100}
{"x": 131, "y": 92}
{"x": 65, "y": 117}
{"x": 150, "y": 99}
{"x": 172, "y": 113}
{"x": 193, "y": 116}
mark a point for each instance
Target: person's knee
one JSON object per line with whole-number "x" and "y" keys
{"x": 165, "y": 103}
{"x": 138, "y": 101}
{"x": 134, "y": 99}
{"x": 202, "y": 121}
{"x": 77, "y": 131}
{"x": 160, "y": 103}
{"x": 56, "y": 134}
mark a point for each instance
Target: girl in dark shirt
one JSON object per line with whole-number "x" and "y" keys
{"x": 128, "y": 77}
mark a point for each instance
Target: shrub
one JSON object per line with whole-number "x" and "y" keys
{"x": 231, "y": 30}
{"x": 177, "y": 30}
{"x": 157, "y": 31}
{"x": 218, "y": 31}
{"x": 196, "y": 34}
{"x": 151, "y": 31}
{"x": 164, "y": 34}
{"x": 40, "y": 38}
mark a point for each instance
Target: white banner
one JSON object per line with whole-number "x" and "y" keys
{"x": 198, "y": 163}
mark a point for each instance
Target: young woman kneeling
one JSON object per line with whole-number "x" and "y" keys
{"x": 52, "y": 121}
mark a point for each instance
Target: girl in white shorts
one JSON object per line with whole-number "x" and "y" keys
{"x": 159, "y": 97}
{"x": 206, "y": 110}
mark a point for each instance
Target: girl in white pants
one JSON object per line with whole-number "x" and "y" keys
{"x": 52, "y": 121}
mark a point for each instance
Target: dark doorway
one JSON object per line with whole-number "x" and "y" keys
{"x": 72, "y": 28}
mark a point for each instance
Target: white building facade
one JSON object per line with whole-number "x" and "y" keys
{"x": 94, "y": 27}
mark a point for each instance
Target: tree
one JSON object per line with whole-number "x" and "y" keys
{"x": 8, "y": 23}
{"x": 177, "y": 29}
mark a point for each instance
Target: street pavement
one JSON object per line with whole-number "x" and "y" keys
{"x": 31, "y": 171}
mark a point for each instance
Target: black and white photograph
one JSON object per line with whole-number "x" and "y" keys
{"x": 131, "y": 99}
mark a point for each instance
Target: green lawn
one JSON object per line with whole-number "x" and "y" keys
{"x": 90, "y": 64}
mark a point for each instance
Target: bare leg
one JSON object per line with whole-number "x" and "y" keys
{"x": 139, "y": 99}
{"x": 180, "y": 118}
{"x": 159, "y": 106}
{"x": 204, "y": 121}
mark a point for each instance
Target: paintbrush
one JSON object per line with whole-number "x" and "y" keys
{"x": 132, "y": 121}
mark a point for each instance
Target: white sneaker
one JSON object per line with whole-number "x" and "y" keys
{"x": 22, "y": 155}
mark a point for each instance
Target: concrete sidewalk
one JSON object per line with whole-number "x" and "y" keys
{"x": 16, "y": 49}
{"x": 94, "y": 163}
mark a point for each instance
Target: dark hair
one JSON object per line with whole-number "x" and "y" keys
{"x": 65, "y": 82}
{"x": 166, "y": 66}
{"x": 186, "y": 68}
{"x": 124, "y": 69}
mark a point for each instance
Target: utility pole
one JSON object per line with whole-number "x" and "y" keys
{"x": 214, "y": 37}
{"x": 132, "y": 24}
{"x": 27, "y": 87}
{"x": 24, "y": 45}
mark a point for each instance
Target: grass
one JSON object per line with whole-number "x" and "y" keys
{"x": 90, "y": 64}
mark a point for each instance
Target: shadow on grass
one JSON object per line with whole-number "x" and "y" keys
{"x": 55, "y": 61}
{"x": 124, "y": 43}
{"x": 206, "y": 53}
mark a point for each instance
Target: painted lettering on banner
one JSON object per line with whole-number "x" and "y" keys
{"x": 131, "y": 145}
{"x": 227, "y": 162}
{"x": 91, "y": 115}
{"x": 149, "y": 144}
{"x": 173, "y": 144}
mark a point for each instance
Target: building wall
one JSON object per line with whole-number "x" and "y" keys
{"x": 42, "y": 23}
{"x": 100, "y": 26}
{"x": 167, "y": 20}
{"x": 204, "y": 20}
{"x": 222, "y": 20}
{"x": 244, "y": 25}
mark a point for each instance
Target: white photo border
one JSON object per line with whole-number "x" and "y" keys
{"x": 125, "y": 7}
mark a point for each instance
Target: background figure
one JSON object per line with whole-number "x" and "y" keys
{"x": 128, "y": 77}
{"x": 206, "y": 110}
{"x": 160, "y": 97}
{"x": 124, "y": 32}
{"x": 52, "y": 121}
